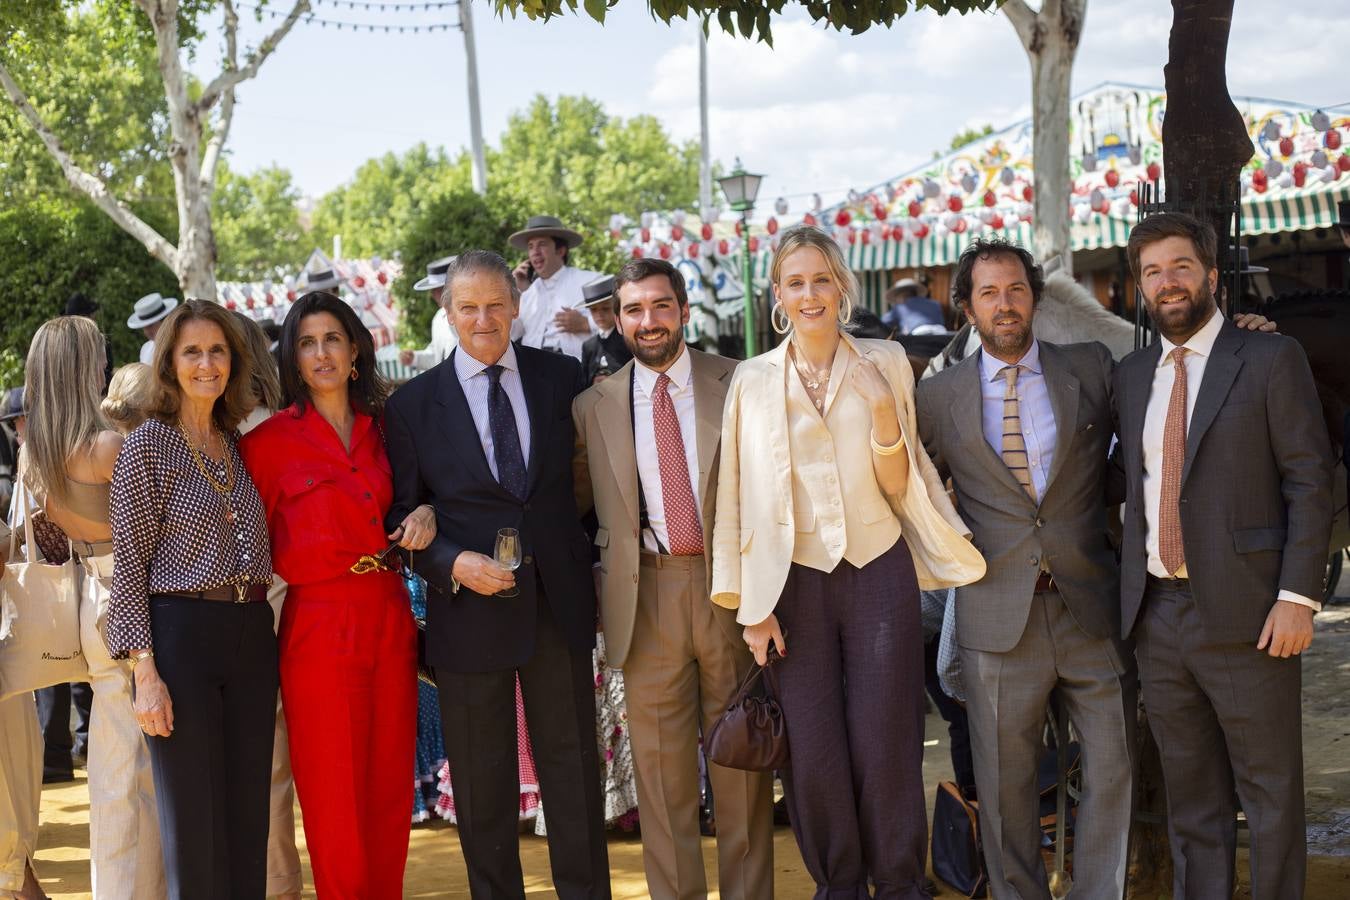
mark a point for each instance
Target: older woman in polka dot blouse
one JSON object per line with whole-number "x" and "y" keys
{"x": 189, "y": 608}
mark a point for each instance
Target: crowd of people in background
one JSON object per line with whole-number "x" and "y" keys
{"x": 600, "y": 532}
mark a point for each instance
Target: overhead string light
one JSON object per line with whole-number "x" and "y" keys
{"x": 312, "y": 19}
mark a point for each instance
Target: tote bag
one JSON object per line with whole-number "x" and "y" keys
{"x": 39, "y": 619}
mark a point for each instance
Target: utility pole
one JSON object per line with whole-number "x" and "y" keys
{"x": 705, "y": 157}
{"x": 475, "y": 117}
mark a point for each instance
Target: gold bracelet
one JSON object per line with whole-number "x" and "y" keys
{"x": 893, "y": 449}
{"x": 141, "y": 657}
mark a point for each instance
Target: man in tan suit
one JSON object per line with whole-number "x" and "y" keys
{"x": 646, "y": 459}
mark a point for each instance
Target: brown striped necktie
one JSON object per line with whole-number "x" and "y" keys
{"x": 1170, "y": 549}
{"x": 1014, "y": 444}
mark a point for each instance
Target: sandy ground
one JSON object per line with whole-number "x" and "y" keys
{"x": 436, "y": 870}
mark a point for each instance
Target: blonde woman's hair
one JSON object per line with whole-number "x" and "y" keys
{"x": 131, "y": 396}
{"x": 63, "y": 377}
{"x": 800, "y": 237}
{"x": 266, "y": 385}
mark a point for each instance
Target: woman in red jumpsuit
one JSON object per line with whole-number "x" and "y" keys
{"x": 347, "y": 640}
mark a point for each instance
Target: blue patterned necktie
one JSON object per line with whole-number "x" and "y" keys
{"x": 505, "y": 438}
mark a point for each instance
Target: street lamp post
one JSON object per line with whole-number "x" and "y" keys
{"x": 740, "y": 189}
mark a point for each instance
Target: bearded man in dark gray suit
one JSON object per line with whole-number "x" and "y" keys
{"x": 1227, "y": 467}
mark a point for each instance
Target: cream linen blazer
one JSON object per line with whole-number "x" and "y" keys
{"x": 754, "y": 532}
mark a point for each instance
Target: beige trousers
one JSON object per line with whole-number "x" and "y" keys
{"x": 20, "y": 789}
{"x": 684, "y": 664}
{"x": 124, "y": 848}
{"x": 283, "y": 859}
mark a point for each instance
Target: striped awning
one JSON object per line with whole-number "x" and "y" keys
{"x": 1270, "y": 213}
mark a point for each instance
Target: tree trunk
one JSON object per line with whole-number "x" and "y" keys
{"x": 1050, "y": 38}
{"x": 196, "y": 269}
{"x": 1205, "y": 140}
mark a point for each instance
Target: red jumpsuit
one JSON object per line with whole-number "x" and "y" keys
{"x": 347, "y": 646}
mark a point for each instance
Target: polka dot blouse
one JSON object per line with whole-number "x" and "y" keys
{"x": 171, "y": 533}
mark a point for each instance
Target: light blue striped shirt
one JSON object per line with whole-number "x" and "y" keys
{"x": 1033, "y": 407}
{"x": 474, "y": 379}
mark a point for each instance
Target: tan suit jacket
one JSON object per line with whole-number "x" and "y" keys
{"x": 754, "y": 533}
{"x": 605, "y": 476}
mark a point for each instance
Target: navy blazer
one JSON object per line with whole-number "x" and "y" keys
{"x": 437, "y": 458}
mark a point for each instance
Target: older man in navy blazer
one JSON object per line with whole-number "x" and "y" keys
{"x": 486, "y": 438}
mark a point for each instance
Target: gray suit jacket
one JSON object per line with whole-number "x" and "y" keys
{"x": 1067, "y": 530}
{"x": 1255, "y": 488}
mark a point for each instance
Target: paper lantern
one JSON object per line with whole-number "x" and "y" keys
{"x": 723, "y": 247}
{"x": 1112, "y": 178}
{"x": 959, "y": 226}
{"x": 771, "y": 226}
{"x": 1134, "y": 198}
{"x": 954, "y": 203}
{"x": 1271, "y": 131}
{"x": 693, "y": 250}
{"x": 915, "y": 208}
{"x": 1273, "y": 168}
{"x": 637, "y": 253}
{"x": 996, "y": 222}
{"x": 230, "y": 304}
{"x": 879, "y": 213}
{"x": 1259, "y": 181}
{"x": 808, "y": 219}
{"x": 989, "y": 198}
{"x": 1319, "y": 159}
{"x": 382, "y": 278}
{"x": 1136, "y": 153}
{"x": 816, "y": 205}
{"x": 852, "y": 236}
{"x": 1286, "y": 146}
{"x": 358, "y": 282}
{"x": 1006, "y": 176}
{"x": 1097, "y": 200}
{"x": 676, "y": 233}
{"x": 780, "y": 206}
{"x": 1344, "y": 162}
{"x": 921, "y": 231}
{"x": 1300, "y": 177}
{"x": 267, "y": 299}
{"x": 1286, "y": 179}
{"x": 1154, "y": 171}
{"x": 663, "y": 251}
{"x": 647, "y": 220}
{"x": 706, "y": 231}
{"x": 1332, "y": 139}
{"x": 290, "y": 296}
{"x": 1028, "y": 193}
{"x": 969, "y": 183}
{"x": 842, "y": 218}
{"x": 616, "y": 222}
{"x": 867, "y": 238}
{"x": 677, "y": 218}
{"x": 1320, "y": 121}
{"x": 754, "y": 244}
{"x": 931, "y": 189}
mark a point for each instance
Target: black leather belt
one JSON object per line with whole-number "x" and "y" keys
{"x": 1174, "y": 584}
{"x": 227, "y": 593}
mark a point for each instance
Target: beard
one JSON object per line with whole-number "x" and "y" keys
{"x": 655, "y": 355}
{"x": 1017, "y": 341}
{"x": 1177, "y": 323}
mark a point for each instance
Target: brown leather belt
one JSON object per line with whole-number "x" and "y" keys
{"x": 1046, "y": 582}
{"x": 226, "y": 593}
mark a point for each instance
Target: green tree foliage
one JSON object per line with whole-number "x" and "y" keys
{"x": 52, "y": 247}
{"x": 258, "y": 231}
{"x": 961, "y": 138}
{"x": 385, "y": 196}
{"x": 572, "y": 160}
{"x": 753, "y": 18}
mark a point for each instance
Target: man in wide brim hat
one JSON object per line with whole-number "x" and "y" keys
{"x": 544, "y": 226}
{"x": 324, "y": 280}
{"x": 147, "y": 315}
{"x": 550, "y": 287}
{"x": 443, "y": 338}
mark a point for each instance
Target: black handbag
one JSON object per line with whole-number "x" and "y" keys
{"x": 958, "y": 858}
{"x": 751, "y": 733}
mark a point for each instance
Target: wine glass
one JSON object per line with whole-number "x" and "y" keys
{"x": 507, "y": 555}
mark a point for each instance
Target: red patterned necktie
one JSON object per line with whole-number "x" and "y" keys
{"x": 677, "y": 495}
{"x": 1170, "y": 548}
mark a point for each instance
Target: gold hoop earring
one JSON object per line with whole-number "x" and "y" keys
{"x": 355, "y": 374}
{"x": 777, "y": 311}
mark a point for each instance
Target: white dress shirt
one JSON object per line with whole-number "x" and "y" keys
{"x": 681, "y": 390}
{"x": 542, "y": 301}
{"x": 476, "y": 383}
{"x": 148, "y": 353}
{"x": 1199, "y": 348}
{"x": 443, "y": 341}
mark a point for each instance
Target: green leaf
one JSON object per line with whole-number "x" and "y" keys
{"x": 597, "y": 10}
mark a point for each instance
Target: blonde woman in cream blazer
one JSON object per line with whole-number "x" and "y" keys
{"x": 830, "y": 518}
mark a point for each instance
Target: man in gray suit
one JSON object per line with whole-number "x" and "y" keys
{"x": 1227, "y": 468}
{"x": 1023, "y": 429}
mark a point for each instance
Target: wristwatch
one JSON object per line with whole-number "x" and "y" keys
{"x": 141, "y": 656}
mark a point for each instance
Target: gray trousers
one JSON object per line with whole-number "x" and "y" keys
{"x": 1227, "y": 719}
{"x": 1006, "y": 699}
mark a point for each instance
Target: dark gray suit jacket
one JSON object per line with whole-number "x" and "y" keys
{"x": 1067, "y": 529}
{"x": 1255, "y": 487}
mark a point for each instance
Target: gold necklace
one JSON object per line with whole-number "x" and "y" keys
{"x": 224, "y": 489}
{"x": 815, "y": 382}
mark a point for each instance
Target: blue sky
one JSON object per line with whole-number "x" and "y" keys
{"x": 822, "y": 111}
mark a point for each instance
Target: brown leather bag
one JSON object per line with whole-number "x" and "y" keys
{"x": 751, "y": 733}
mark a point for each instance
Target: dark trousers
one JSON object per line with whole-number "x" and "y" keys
{"x": 1227, "y": 719}
{"x": 954, "y": 714}
{"x": 213, "y": 773}
{"x": 53, "y": 706}
{"x": 851, "y": 689}
{"x": 478, "y": 715}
